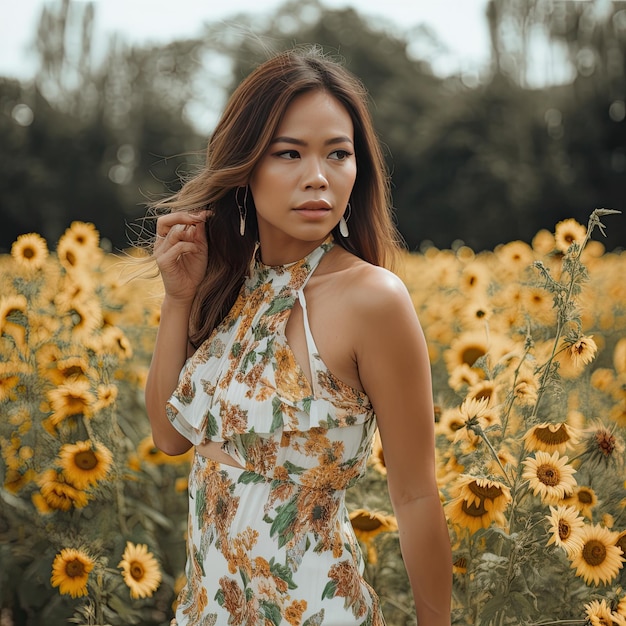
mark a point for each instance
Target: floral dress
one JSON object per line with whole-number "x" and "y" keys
{"x": 271, "y": 544}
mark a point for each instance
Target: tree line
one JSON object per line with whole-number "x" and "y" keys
{"x": 485, "y": 161}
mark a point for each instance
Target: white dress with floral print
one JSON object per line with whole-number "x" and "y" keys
{"x": 271, "y": 544}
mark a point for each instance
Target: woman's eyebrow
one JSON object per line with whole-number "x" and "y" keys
{"x": 300, "y": 142}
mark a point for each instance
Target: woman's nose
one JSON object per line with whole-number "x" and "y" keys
{"x": 314, "y": 176}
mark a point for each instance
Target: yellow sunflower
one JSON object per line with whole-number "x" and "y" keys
{"x": 30, "y": 251}
{"x": 551, "y": 437}
{"x": 107, "y": 394}
{"x": 367, "y": 525}
{"x": 567, "y": 232}
{"x": 69, "y": 368}
{"x": 459, "y": 566}
{"x": 598, "y": 613}
{"x": 582, "y": 499}
{"x": 58, "y": 493}
{"x": 466, "y": 349}
{"x": 549, "y": 476}
{"x": 70, "y": 400}
{"x": 13, "y": 318}
{"x": 70, "y": 571}
{"x": 78, "y": 245}
{"x": 140, "y": 570}
{"x": 478, "y": 503}
{"x": 620, "y": 542}
{"x": 543, "y": 242}
{"x": 621, "y": 606}
{"x": 565, "y": 526}
{"x": 377, "y": 457}
{"x": 85, "y": 463}
{"x": 600, "y": 559}
{"x": 463, "y": 376}
{"x": 582, "y": 351}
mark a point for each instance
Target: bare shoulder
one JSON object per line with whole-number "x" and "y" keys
{"x": 373, "y": 292}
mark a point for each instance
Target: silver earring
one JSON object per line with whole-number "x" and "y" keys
{"x": 343, "y": 222}
{"x": 243, "y": 209}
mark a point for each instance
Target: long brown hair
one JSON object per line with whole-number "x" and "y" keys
{"x": 238, "y": 142}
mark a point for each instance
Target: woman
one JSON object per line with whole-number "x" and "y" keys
{"x": 294, "y": 345}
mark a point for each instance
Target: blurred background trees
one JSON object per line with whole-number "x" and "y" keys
{"x": 486, "y": 158}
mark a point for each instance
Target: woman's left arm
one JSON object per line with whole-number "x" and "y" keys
{"x": 394, "y": 369}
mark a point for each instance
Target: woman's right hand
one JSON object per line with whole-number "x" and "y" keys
{"x": 181, "y": 252}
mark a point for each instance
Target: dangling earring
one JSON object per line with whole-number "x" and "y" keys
{"x": 343, "y": 222}
{"x": 243, "y": 209}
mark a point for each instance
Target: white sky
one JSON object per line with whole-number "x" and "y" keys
{"x": 460, "y": 24}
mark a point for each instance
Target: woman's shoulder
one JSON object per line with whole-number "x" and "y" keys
{"x": 370, "y": 287}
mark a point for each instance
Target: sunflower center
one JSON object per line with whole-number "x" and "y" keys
{"x": 366, "y": 522}
{"x": 86, "y": 459}
{"x": 548, "y": 475}
{"x": 29, "y": 253}
{"x": 621, "y": 543}
{"x": 75, "y": 568}
{"x": 471, "y": 355}
{"x": 594, "y": 552}
{"x": 552, "y": 437}
{"x": 474, "y": 510}
{"x": 565, "y": 530}
{"x": 485, "y": 492}
{"x": 585, "y": 497}
{"x": 606, "y": 442}
{"x": 136, "y": 570}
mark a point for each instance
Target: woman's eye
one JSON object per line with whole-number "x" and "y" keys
{"x": 340, "y": 155}
{"x": 288, "y": 154}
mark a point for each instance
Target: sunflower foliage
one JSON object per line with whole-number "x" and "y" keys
{"x": 92, "y": 515}
{"x": 528, "y": 352}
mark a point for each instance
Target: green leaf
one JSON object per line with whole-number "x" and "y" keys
{"x": 271, "y": 612}
{"x": 280, "y": 304}
{"x": 212, "y": 428}
{"x": 277, "y": 414}
{"x": 329, "y": 590}
{"x": 283, "y": 572}
{"x": 285, "y": 516}
{"x": 250, "y": 478}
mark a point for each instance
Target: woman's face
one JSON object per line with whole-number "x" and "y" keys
{"x": 302, "y": 185}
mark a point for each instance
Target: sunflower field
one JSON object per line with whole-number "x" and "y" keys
{"x": 528, "y": 351}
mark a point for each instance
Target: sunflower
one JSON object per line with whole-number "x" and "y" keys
{"x": 475, "y": 278}
{"x": 58, "y": 493}
{"x": 551, "y": 437}
{"x": 78, "y": 245}
{"x": 619, "y": 356}
{"x": 568, "y": 232}
{"x": 550, "y": 476}
{"x": 583, "y": 499}
{"x": 598, "y": 613}
{"x": 565, "y": 525}
{"x": 13, "y": 318}
{"x": 377, "y": 457}
{"x": 476, "y": 313}
{"x": 85, "y": 463}
{"x": 70, "y": 400}
{"x": 484, "y": 390}
{"x": 583, "y": 351}
{"x": 69, "y": 368}
{"x": 620, "y": 542}
{"x": 539, "y": 305}
{"x": 543, "y": 242}
{"x": 478, "y": 503}
{"x": 8, "y": 384}
{"x": 466, "y": 349}
{"x": 70, "y": 571}
{"x": 367, "y": 525}
{"x": 107, "y": 394}
{"x": 140, "y": 570}
{"x": 30, "y": 251}
{"x": 463, "y": 376}
{"x": 603, "y": 445}
{"x": 514, "y": 257}
{"x": 600, "y": 559}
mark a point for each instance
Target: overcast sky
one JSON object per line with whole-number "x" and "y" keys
{"x": 460, "y": 24}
